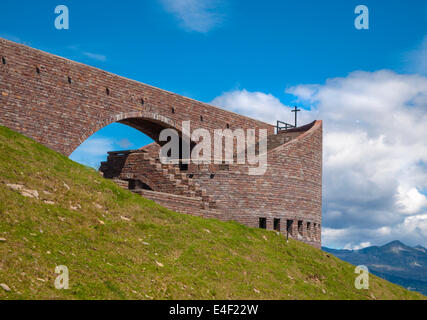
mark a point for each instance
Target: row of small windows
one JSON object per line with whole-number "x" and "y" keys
{"x": 107, "y": 91}
{"x": 70, "y": 81}
{"x": 289, "y": 224}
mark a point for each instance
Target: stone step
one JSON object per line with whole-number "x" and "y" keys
{"x": 182, "y": 183}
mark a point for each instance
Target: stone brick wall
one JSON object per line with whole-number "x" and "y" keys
{"x": 182, "y": 204}
{"x": 60, "y": 103}
{"x": 289, "y": 192}
{"x": 291, "y": 189}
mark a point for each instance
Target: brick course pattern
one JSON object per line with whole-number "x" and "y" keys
{"x": 60, "y": 103}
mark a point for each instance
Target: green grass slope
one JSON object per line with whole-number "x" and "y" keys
{"x": 118, "y": 245}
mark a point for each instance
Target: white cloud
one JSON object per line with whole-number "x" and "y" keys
{"x": 359, "y": 246}
{"x": 256, "y": 105}
{"x": 416, "y": 226}
{"x": 81, "y": 52}
{"x": 196, "y": 15}
{"x": 375, "y": 151}
{"x": 333, "y": 234}
{"x": 411, "y": 230}
{"x": 92, "y": 151}
{"x": 410, "y": 201}
{"x": 95, "y": 56}
{"x": 125, "y": 143}
{"x": 96, "y": 146}
{"x": 384, "y": 231}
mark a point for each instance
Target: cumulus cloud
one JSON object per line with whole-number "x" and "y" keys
{"x": 375, "y": 152}
{"x": 358, "y": 246}
{"x": 410, "y": 200}
{"x": 196, "y": 15}
{"x": 411, "y": 230}
{"x": 257, "y": 105}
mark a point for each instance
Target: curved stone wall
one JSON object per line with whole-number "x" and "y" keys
{"x": 60, "y": 103}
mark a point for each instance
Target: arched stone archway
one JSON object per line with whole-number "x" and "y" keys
{"x": 149, "y": 123}
{"x": 60, "y": 103}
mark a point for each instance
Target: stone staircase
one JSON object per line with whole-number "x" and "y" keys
{"x": 183, "y": 184}
{"x": 167, "y": 178}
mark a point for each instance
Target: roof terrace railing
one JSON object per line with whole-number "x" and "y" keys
{"x": 283, "y": 126}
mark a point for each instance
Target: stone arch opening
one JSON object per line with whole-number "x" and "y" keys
{"x": 149, "y": 123}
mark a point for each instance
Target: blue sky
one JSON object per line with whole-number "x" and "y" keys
{"x": 259, "y": 58}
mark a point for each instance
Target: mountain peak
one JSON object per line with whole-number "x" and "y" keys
{"x": 394, "y": 261}
{"x": 394, "y": 243}
{"x": 396, "y": 247}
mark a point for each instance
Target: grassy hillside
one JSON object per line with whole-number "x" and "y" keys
{"x": 118, "y": 245}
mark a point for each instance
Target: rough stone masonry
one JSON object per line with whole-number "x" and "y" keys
{"x": 60, "y": 103}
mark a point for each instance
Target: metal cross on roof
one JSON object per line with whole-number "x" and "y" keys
{"x": 296, "y": 110}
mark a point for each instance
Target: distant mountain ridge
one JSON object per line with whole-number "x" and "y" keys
{"x": 394, "y": 261}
